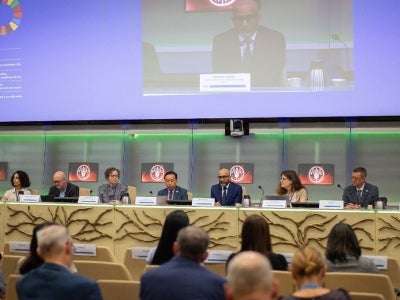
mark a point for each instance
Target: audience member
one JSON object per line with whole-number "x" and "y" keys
{"x": 226, "y": 193}
{"x": 172, "y": 190}
{"x": 63, "y": 188}
{"x": 112, "y": 191}
{"x": 291, "y": 186}
{"x": 360, "y": 194}
{"x": 308, "y": 270}
{"x": 250, "y": 48}
{"x": 250, "y": 277}
{"x": 3, "y": 285}
{"x": 175, "y": 221}
{"x": 53, "y": 280}
{"x": 343, "y": 252}
{"x": 183, "y": 277}
{"x": 20, "y": 181}
{"x": 256, "y": 237}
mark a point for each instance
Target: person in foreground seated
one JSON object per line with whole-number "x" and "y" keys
{"x": 63, "y": 188}
{"x": 172, "y": 190}
{"x": 250, "y": 277}
{"x": 361, "y": 193}
{"x": 20, "y": 181}
{"x": 175, "y": 221}
{"x": 291, "y": 186}
{"x": 343, "y": 252}
{"x": 226, "y": 193}
{"x": 53, "y": 279}
{"x": 112, "y": 191}
{"x": 184, "y": 277}
{"x": 308, "y": 270}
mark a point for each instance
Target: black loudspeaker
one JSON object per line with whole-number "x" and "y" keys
{"x": 236, "y": 128}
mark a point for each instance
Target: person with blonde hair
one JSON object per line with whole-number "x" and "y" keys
{"x": 308, "y": 270}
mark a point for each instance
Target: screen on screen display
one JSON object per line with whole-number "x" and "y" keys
{"x": 131, "y": 60}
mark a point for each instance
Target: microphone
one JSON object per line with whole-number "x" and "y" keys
{"x": 336, "y": 37}
{"x": 260, "y": 187}
{"x": 340, "y": 187}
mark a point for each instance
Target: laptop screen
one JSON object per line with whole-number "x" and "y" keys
{"x": 276, "y": 197}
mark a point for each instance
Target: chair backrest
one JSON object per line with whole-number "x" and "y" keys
{"x": 102, "y": 270}
{"x": 11, "y": 291}
{"x": 135, "y": 266}
{"x": 190, "y": 196}
{"x": 219, "y": 268}
{"x": 34, "y": 192}
{"x": 361, "y": 283}
{"x": 393, "y": 271}
{"x": 149, "y": 267}
{"x": 132, "y": 193}
{"x": 102, "y": 254}
{"x": 286, "y": 283}
{"x": 119, "y": 289}
{"x": 9, "y": 264}
{"x": 365, "y": 296}
{"x": 84, "y": 192}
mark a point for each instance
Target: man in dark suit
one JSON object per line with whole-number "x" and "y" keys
{"x": 360, "y": 194}
{"x": 250, "y": 47}
{"x": 172, "y": 190}
{"x": 184, "y": 277}
{"x": 226, "y": 193}
{"x": 53, "y": 279}
{"x": 63, "y": 188}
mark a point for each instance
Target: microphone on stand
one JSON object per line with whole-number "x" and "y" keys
{"x": 336, "y": 37}
{"x": 340, "y": 187}
{"x": 260, "y": 187}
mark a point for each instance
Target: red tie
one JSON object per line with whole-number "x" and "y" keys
{"x": 170, "y": 195}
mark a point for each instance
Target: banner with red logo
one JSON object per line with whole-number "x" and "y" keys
{"x": 83, "y": 171}
{"x": 3, "y": 170}
{"x": 316, "y": 174}
{"x": 154, "y": 172}
{"x": 208, "y": 5}
{"x": 240, "y": 172}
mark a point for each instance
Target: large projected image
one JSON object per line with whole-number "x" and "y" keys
{"x": 284, "y": 45}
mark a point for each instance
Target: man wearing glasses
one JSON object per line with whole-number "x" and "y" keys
{"x": 63, "y": 188}
{"x": 250, "y": 48}
{"x": 226, "y": 193}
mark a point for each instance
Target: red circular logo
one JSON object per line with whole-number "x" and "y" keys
{"x": 83, "y": 172}
{"x": 237, "y": 173}
{"x": 316, "y": 174}
{"x": 157, "y": 172}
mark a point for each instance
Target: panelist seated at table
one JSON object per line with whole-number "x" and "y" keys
{"x": 290, "y": 185}
{"x": 361, "y": 193}
{"x": 172, "y": 190}
{"x": 226, "y": 193}
{"x": 112, "y": 191}
{"x": 20, "y": 182}
{"x": 63, "y": 188}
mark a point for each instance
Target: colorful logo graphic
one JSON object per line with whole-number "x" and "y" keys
{"x": 222, "y": 2}
{"x": 157, "y": 172}
{"x": 16, "y": 16}
{"x": 316, "y": 173}
{"x": 237, "y": 173}
{"x": 83, "y": 172}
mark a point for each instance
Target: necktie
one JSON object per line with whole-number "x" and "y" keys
{"x": 359, "y": 196}
{"x": 247, "y": 54}
{"x": 170, "y": 195}
{"x": 224, "y": 195}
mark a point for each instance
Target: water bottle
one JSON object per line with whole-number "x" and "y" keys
{"x": 125, "y": 198}
{"x": 317, "y": 77}
{"x": 246, "y": 202}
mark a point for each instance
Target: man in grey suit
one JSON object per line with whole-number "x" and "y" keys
{"x": 172, "y": 190}
{"x": 54, "y": 280}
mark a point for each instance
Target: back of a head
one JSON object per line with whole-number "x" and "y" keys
{"x": 342, "y": 242}
{"x": 255, "y": 235}
{"x": 193, "y": 243}
{"x": 307, "y": 262}
{"x": 51, "y": 240}
{"x": 249, "y": 272}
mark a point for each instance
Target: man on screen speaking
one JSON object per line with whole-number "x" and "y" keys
{"x": 250, "y": 47}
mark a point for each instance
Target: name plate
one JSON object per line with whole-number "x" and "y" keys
{"x": 29, "y": 198}
{"x": 238, "y": 82}
{"x": 140, "y": 252}
{"x": 381, "y": 262}
{"x": 217, "y": 256}
{"x": 146, "y": 201}
{"x": 203, "y": 202}
{"x": 85, "y": 249}
{"x": 331, "y": 204}
{"x": 274, "y": 204}
{"x": 19, "y": 247}
{"x": 88, "y": 199}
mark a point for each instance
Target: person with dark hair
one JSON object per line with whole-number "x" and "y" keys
{"x": 20, "y": 181}
{"x": 172, "y": 190}
{"x": 291, "y": 186}
{"x": 226, "y": 193}
{"x": 112, "y": 191}
{"x": 256, "y": 237}
{"x": 343, "y": 252}
{"x": 360, "y": 194}
{"x": 63, "y": 188}
{"x": 175, "y": 221}
{"x": 183, "y": 276}
{"x": 308, "y": 270}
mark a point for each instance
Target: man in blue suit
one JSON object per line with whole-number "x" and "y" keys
{"x": 172, "y": 190}
{"x": 226, "y": 193}
{"x": 360, "y": 194}
{"x": 53, "y": 279}
{"x": 184, "y": 277}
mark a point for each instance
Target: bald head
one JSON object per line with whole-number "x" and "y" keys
{"x": 60, "y": 180}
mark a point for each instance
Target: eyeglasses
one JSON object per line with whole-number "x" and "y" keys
{"x": 224, "y": 176}
{"x": 283, "y": 178}
{"x": 58, "y": 181}
{"x": 248, "y": 18}
{"x": 114, "y": 175}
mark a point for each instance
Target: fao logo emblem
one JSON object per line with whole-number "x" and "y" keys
{"x": 222, "y": 3}
{"x": 237, "y": 173}
{"x": 157, "y": 172}
{"x": 316, "y": 174}
{"x": 83, "y": 172}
